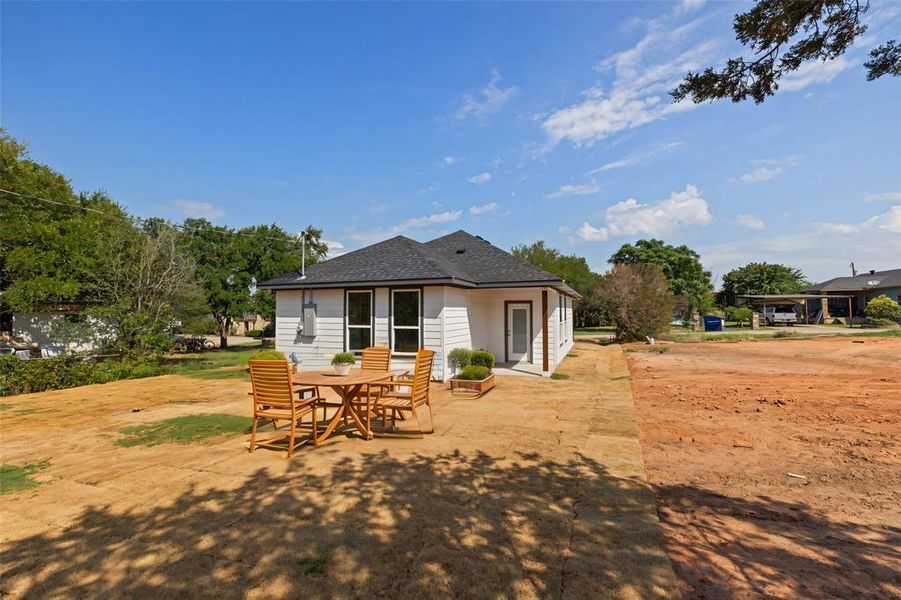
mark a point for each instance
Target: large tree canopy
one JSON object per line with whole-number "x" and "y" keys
{"x": 572, "y": 269}
{"x": 761, "y": 278}
{"x": 783, "y": 35}
{"x": 681, "y": 265}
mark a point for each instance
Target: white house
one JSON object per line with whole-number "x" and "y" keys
{"x": 457, "y": 291}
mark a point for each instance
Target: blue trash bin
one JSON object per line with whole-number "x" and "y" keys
{"x": 713, "y": 323}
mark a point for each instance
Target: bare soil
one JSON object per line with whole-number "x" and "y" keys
{"x": 776, "y": 464}
{"x": 534, "y": 490}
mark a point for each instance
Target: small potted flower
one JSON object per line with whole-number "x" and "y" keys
{"x": 343, "y": 362}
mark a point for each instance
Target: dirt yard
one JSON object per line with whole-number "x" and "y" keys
{"x": 535, "y": 490}
{"x": 723, "y": 425}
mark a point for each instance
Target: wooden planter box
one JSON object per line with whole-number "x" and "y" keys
{"x": 474, "y": 387}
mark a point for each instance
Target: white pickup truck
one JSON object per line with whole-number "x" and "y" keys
{"x": 781, "y": 315}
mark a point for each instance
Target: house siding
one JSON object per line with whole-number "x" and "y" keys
{"x": 457, "y": 332}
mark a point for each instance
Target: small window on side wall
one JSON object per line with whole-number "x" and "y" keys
{"x": 359, "y": 320}
{"x": 406, "y": 321}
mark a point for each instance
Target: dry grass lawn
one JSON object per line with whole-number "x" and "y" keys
{"x": 535, "y": 490}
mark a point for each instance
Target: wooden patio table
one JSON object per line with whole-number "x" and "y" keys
{"x": 347, "y": 387}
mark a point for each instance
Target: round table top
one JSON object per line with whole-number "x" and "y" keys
{"x": 330, "y": 378}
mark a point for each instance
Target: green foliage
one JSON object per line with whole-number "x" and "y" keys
{"x": 473, "y": 373}
{"x": 761, "y": 278}
{"x": 572, "y": 269}
{"x": 254, "y": 333}
{"x": 183, "y": 430}
{"x": 16, "y": 478}
{"x": 482, "y": 358}
{"x": 883, "y": 307}
{"x": 688, "y": 282}
{"x": 739, "y": 314}
{"x": 638, "y": 300}
{"x": 460, "y": 357}
{"x": 61, "y": 372}
{"x": 783, "y": 35}
{"x": 268, "y": 354}
{"x": 344, "y": 358}
{"x": 785, "y": 333}
{"x": 559, "y": 376}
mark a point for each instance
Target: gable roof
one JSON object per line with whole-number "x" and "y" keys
{"x": 866, "y": 281}
{"x": 459, "y": 258}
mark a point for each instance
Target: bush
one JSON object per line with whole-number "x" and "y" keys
{"x": 474, "y": 373}
{"x": 344, "y": 358}
{"x": 254, "y": 333}
{"x": 482, "y": 358}
{"x": 740, "y": 314}
{"x": 268, "y": 354}
{"x": 638, "y": 300}
{"x": 460, "y": 357}
{"x": 883, "y": 307}
{"x": 269, "y": 330}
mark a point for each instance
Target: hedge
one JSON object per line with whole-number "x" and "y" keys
{"x": 19, "y": 376}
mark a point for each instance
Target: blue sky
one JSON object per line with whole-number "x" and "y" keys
{"x": 516, "y": 122}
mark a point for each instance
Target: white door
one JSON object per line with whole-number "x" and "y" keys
{"x": 517, "y": 332}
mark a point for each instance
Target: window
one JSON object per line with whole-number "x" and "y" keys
{"x": 359, "y": 320}
{"x": 406, "y": 321}
{"x": 562, "y": 304}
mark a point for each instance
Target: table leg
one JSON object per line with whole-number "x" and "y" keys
{"x": 335, "y": 419}
{"x": 348, "y": 402}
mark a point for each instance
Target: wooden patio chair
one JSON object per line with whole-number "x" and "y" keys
{"x": 408, "y": 394}
{"x": 374, "y": 358}
{"x": 274, "y": 399}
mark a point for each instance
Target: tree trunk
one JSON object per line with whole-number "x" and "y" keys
{"x": 224, "y": 326}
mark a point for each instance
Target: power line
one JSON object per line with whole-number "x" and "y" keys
{"x": 145, "y": 220}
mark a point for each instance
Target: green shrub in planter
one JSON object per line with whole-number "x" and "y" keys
{"x": 268, "y": 355}
{"x": 474, "y": 373}
{"x": 460, "y": 357}
{"x": 482, "y": 358}
{"x": 344, "y": 358}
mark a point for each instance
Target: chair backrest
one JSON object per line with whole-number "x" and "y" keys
{"x": 271, "y": 381}
{"x": 376, "y": 358}
{"x": 422, "y": 374}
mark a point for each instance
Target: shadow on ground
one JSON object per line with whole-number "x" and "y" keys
{"x": 450, "y": 525}
{"x": 823, "y": 559}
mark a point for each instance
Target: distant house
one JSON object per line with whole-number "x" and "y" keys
{"x": 863, "y": 288}
{"x": 249, "y": 322}
{"x": 60, "y": 329}
{"x": 457, "y": 291}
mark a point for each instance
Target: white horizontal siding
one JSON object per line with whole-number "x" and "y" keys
{"x": 457, "y": 332}
{"x": 315, "y": 352}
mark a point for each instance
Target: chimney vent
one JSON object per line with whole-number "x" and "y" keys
{"x": 872, "y": 271}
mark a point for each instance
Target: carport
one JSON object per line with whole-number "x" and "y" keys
{"x": 762, "y": 300}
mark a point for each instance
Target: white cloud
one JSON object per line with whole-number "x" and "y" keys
{"x": 751, "y": 222}
{"x": 766, "y": 169}
{"x": 493, "y": 98}
{"x": 415, "y": 223}
{"x": 813, "y": 72}
{"x": 579, "y": 189}
{"x": 480, "y": 178}
{"x": 883, "y": 197}
{"x": 485, "y": 208}
{"x": 636, "y": 158}
{"x": 202, "y": 210}
{"x": 630, "y": 217}
{"x": 335, "y": 248}
{"x": 889, "y": 221}
{"x": 644, "y": 74}
{"x": 689, "y": 5}
{"x": 452, "y": 160}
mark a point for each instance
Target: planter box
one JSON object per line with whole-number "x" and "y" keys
{"x": 474, "y": 387}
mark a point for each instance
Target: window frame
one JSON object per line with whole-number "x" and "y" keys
{"x": 420, "y": 321}
{"x": 562, "y": 309}
{"x": 348, "y": 326}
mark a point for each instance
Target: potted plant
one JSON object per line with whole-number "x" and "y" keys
{"x": 342, "y": 362}
{"x": 475, "y": 378}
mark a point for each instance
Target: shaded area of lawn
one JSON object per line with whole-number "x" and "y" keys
{"x": 183, "y": 430}
{"x": 423, "y": 526}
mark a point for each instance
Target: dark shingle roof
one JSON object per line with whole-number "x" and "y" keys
{"x": 459, "y": 258}
{"x": 865, "y": 281}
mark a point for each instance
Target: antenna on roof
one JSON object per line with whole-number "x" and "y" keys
{"x": 303, "y": 253}
{"x": 853, "y": 270}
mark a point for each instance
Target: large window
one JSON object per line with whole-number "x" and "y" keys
{"x": 359, "y": 320}
{"x": 406, "y": 321}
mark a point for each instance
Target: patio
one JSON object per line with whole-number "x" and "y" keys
{"x": 536, "y": 489}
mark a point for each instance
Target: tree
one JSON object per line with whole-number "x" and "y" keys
{"x": 572, "y": 269}
{"x": 883, "y": 307}
{"x": 761, "y": 278}
{"x": 689, "y": 283}
{"x": 783, "y": 35}
{"x": 740, "y": 314}
{"x": 638, "y": 300}
{"x": 230, "y": 263}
